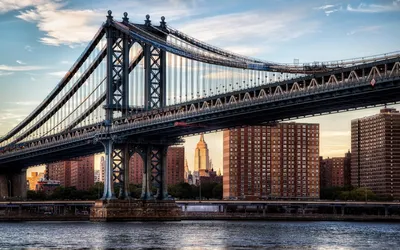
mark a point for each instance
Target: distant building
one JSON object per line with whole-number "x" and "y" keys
{"x": 187, "y": 172}
{"x": 97, "y": 176}
{"x": 82, "y": 173}
{"x": 33, "y": 179}
{"x": 175, "y": 166}
{"x": 136, "y": 169}
{"x": 335, "y": 172}
{"x": 211, "y": 178}
{"x": 280, "y": 161}
{"x": 47, "y": 186}
{"x": 60, "y": 171}
{"x": 201, "y": 158}
{"x": 375, "y": 153}
{"x": 102, "y": 169}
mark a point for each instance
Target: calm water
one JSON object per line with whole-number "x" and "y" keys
{"x": 201, "y": 234}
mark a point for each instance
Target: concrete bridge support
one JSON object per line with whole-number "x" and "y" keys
{"x": 13, "y": 185}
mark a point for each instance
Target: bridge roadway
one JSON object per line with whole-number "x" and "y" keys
{"x": 340, "y": 90}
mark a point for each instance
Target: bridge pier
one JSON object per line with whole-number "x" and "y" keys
{"x": 13, "y": 184}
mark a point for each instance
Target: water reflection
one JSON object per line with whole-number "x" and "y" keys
{"x": 200, "y": 235}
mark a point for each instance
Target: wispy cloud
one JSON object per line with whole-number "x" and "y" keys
{"x": 65, "y": 62}
{"x": 329, "y": 8}
{"x": 28, "y": 48}
{"x": 367, "y": 29}
{"x": 267, "y": 27}
{"x": 375, "y": 8}
{"x": 19, "y": 68}
{"x": 5, "y": 73}
{"x": 20, "y": 62}
{"x": 57, "y": 73}
{"x": 33, "y": 79}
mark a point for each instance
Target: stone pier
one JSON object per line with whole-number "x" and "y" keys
{"x": 135, "y": 210}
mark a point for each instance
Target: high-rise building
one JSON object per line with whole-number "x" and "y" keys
{"x": 33, "y": 180}
{"x": 97, "y": 175}
{"x": 82, "y": 173}
{"x": 136, "y": 169}
{"x": 201, "y": 158}
{"x": 375, "y": 153}
{"x": 102, "y": 169}
{"x": 60, "y": 171}
{"x": 280, "y": 161}
{"x": 335, "y": 172}
{"x": 175, "y": 166}
{"x": 187, "y": 171}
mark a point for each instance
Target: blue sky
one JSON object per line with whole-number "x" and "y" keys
{"x": 40, "y": 40}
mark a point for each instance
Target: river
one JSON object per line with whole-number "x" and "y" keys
{"x": 201, "y": 234}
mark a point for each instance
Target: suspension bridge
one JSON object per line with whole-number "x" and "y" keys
{"x": 142, "y": 87}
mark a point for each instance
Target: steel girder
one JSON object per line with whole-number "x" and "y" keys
{"x": 155, "y": 77}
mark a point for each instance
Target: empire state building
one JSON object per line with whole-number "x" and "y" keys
{"x": 201, "y": 158}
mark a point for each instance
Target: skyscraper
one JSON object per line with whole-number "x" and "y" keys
{"x": 375, "y": 148}
{"x": 201, "y": 158}
{"x": 187, "y": 171}
{"x": 279, "y": 161}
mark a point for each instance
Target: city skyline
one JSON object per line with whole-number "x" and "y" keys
{"x": 46, "y": 37}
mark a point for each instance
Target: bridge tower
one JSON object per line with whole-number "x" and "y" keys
{"x": 118, "y": 151}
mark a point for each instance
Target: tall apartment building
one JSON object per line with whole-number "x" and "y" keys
{"x": 279, "y": 161}
{"x": 82, "y": 173}
{"x": 375, "y": 147}
{"x": 60, "y": 171}
{"x": 175, "y": 166}
{"x": 335, "y": 172}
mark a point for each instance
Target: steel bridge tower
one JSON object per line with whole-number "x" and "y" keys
{"x": 118, "y": 151}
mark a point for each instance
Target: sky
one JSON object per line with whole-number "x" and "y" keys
{"x": 41, "y": 39}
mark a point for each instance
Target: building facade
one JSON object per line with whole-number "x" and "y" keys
{"x": 33, "y": 180}
{"x": 335, "y": 172}
{"x": 175, "y": 166}
{"x": 279, "y": 161}
{"x": 60, "y": 171}
{"x": 375, "y": 147}
{"x": 82, "y": 173}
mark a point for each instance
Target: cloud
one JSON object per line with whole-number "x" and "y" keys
{"x": 28, "y": 48}
{"x": 10, "y": 5}
{"x": 369, "y": 29}
{"x": 329, "y": 133}
{"x": 20, "y": 68}
{"x": 65, "y": 62}
{"x": 73, "y": 27}
{"x": 258, "y": 32}
{"x": 5, "y": 73}
{"x": 33, "y": 79}
{"x": 58, "y": 73}
{"x": 329, "y": 8}
{"x": 375, "y": 8}
{"x": 25, "y": 103}
{"x": 20, "y": 62}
